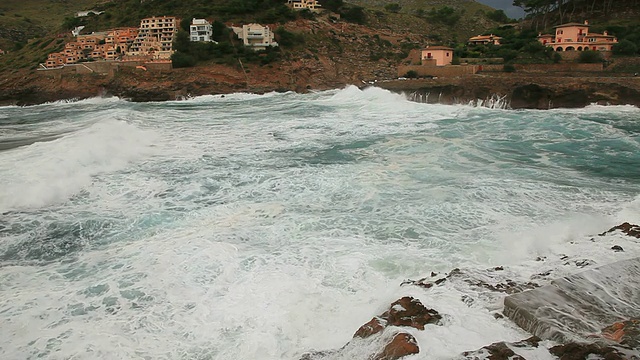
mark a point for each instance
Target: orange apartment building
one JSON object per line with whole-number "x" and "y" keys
{"x": 154, "y": 40}
{"x": 96, "y": 46}
{"x": 576, "y": 37}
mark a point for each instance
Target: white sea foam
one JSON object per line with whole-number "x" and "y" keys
{"x": 266, "y": 227}
{"x": 49, "y": 172}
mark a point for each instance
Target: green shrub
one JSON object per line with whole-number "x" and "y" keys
{"x": 590, "y": 57}
{"x": 182, "y": 60}
{"x": 393, "y": 7}
{"x": 508, "y": 68}
{"x": 411, "y": 74}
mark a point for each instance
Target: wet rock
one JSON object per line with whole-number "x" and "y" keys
{"x": 372, "y": 327}
{"x": 627, "y": 228}
{"x": 502, "y": 350}
{"x": 484, "y": 279}
{"x": 401, "y": 345}
{"x": 617, "y": 248}
{"x": 581, "y": 351}
{"x": 625, "y": 333}
{"x": 407, "y": 311}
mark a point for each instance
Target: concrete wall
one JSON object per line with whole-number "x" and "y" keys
{"x": 438, "y": 71}
{"x": 106, "y": 67}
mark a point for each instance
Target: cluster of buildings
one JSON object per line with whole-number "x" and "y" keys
{"x": 576, "y": 37}
{"x": 152, "y": 41}
{"x": 303, "y": 4}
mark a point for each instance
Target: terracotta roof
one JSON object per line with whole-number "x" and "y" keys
{"x": 438, "y": 48}
{"x": 485, "y": 37}
{"x": 571, "y": 24}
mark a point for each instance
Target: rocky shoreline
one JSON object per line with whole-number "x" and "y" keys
{"x": 392, "y": 334}
{"x": 516, "y": 91}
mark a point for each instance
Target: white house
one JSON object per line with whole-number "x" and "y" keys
{"x": 201, "y": 30}
{"x": 88, "y": 12}
{"x": 256, "y": 36}
{"x": 303, "y": 4}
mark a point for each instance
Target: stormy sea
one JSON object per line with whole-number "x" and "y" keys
{"x": 268, "y": 226}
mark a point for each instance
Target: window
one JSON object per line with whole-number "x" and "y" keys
{"x": 447, "y": 54}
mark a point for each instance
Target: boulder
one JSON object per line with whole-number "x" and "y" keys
{"x": 402, "y": 344}
{"x": 407, "y": 311}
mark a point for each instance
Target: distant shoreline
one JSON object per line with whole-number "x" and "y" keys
{"x": 517, "y": 90}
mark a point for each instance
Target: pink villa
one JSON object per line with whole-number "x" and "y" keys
{"x": 441, "y": 55}
{"x": 576, "y": 37}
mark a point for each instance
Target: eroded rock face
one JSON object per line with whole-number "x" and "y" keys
{"x": 407, "y": 311}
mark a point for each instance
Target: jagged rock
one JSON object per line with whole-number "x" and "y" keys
{"x": 402, "y": 344}
{"x": 508, "y": 286}
{"x": 629, "y": 229}
{"x": 581, "y": 351}
{"x": 502, "y": 350}
{"x": 372, "y": 327}
{"x": 406, "y": 311}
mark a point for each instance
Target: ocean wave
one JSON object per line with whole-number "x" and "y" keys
{"x": 48, "y": 172}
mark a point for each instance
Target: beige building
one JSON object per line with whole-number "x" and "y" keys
{"x": 485, "y": 39}
{"x": 303, "y": 4}
{"x": 255, "y": 36}
{"x": 439, "y": 55}
{"x": 155, "y": 38}
{"x": 576, "y": 37}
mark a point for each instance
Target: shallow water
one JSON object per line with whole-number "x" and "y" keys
{"x": 265, "y": 226}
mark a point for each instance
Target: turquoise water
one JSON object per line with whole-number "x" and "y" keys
{"x": 265, "y": 226}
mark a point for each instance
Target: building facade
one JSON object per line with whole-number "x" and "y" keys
{"x": 303, "y": 4}
{"x": 200, "y": 30}
{"x": 440, "y": 55}
{"x": 155, "y": 38}
{"x": 110, "y": 45}
{"x": 576, "y": 37}
{"x": 255, "y": 36}
{"x": 485, "y": 39}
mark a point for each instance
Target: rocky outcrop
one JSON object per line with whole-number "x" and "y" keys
{"x": 629, "y": 229}
{"x": 404, "y": 312}
{"x": 389, "y": 343}
{"x": 502, "y": 350}
{"x": 524, "y": 91}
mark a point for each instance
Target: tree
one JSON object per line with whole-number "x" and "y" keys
{"x": 332, "y": 5}
{"x": 354, "y": 14}
{"x": 182, "y": 42}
